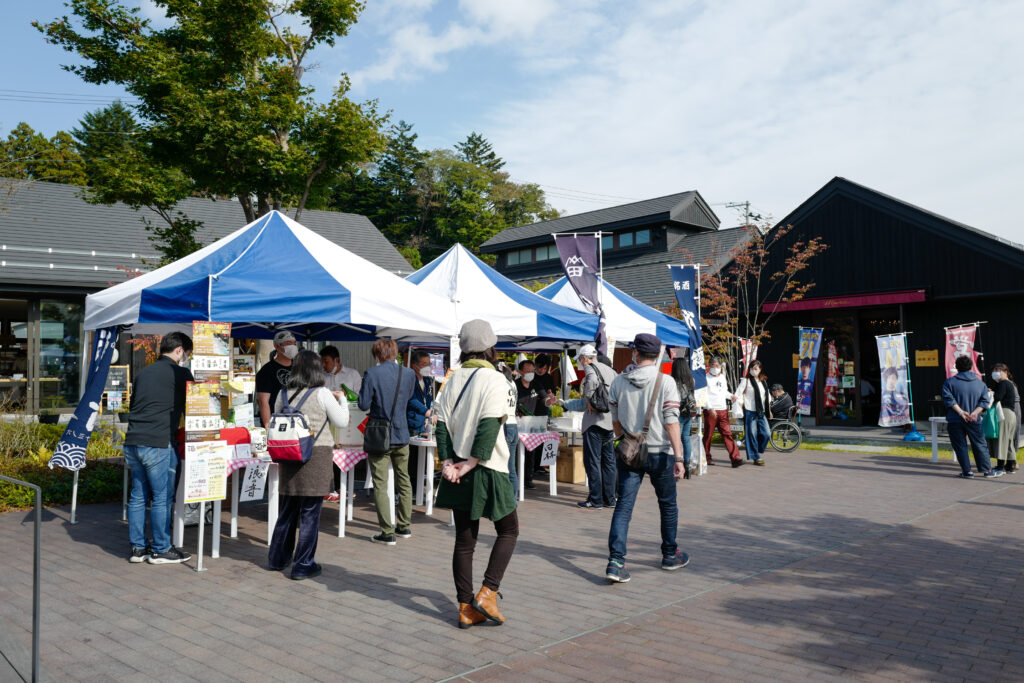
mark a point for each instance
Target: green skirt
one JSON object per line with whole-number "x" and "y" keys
{"x": 483, "y": 492}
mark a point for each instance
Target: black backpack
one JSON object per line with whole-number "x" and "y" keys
{"x": 599, "y": 401}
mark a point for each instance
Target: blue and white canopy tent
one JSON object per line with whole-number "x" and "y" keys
{"x": 625, "y": 317}
{"x": 516, "y": 314}
{"x": 271, "y": 274}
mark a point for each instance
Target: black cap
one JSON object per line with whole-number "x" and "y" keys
{"x": 646, "y": 343}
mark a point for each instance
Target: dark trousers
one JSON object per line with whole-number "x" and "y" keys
{"x": 719, "y": 419}
{"x": 301, "y": 513}
{"x": 660, "y": 469}
{"x": 466, "y": 531}
{"x": 531, "y": 463}
{"x": 599, "y": 462}
{"x": 959, "y": 432}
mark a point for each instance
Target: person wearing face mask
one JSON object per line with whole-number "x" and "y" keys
{"x": 158, "y": 402}
{"x": 753, "y": 391}
{"x": 338, "y": 374}
{"x": 530, "y": 403}
{"x": 716, "y": 415}
{"x": 1006, "y": 399}
{"x": 274, "y": 374}
{"x": 419, "y": 405}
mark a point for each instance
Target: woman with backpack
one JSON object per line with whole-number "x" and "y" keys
{"x": 1007, "y": 399}
{"x": 471, "y": 412}
{"x": 304, "y": 485}
{"x": 687, "y": 403}
{"x": 753, "y": 391}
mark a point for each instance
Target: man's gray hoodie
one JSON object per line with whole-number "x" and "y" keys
{"x": 630, "y": 395}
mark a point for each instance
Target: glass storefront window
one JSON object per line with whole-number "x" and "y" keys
{"x": 14, "y": 368}
{"x": 60, "y": 352}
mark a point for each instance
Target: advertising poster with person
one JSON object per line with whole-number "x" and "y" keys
{"x": 832, "y": 377}
{"x": 892, "y": 360}
{"x": 810, "y": 344}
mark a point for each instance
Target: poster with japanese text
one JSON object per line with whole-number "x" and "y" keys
{"x": 895, "y": 394}
{"x": 211, "y": 350}
{"x": 810, "y": 344}
{"x": 960, "y": 341}
{"x": 831, "y": 377}
{"x": 202, "y": 411}
{"x": 206, "y": 470}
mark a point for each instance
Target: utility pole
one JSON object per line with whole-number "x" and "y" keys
{"x": 746, "y": 210}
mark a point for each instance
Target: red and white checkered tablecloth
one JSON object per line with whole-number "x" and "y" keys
{"x": 531, "y": 441}
{"x": 346, "y": 458}
{"x": 235, "y": 464}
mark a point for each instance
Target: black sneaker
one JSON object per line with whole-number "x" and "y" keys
{"x": 529, "y": 485}
{"x": 587, "y": 505}
{"x": 172, "y": 556}
{"x": 616, "y": 572}
{"x": 138, "y": 555}
{"x": 317, "y": 570}
{"x": 403, "y": 533}
{"x": 674, "y": 562}
{"x": 966, "y": 475}
{"x": 386, "y": 539}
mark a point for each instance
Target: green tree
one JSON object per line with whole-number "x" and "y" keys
{"x": 223, "y": 110}
{"x": 28, "y": 155}
{"x": 477, "y": 150}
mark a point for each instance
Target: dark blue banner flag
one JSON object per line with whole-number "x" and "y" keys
{"x": 580, "y": 257}
{"x": 70, "y": 450}
{"x": 685, "y": 283}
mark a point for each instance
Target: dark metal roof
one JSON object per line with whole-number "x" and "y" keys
{"x": 687, "y": 208}
{"x": 49, "y": 234}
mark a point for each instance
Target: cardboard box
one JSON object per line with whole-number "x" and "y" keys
{"x": 569, "y": 469}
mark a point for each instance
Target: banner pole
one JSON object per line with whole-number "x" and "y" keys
{"x": 913, "y": 434}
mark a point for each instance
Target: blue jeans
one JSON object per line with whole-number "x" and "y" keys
{"x": 684, "y": 434}
{"x": 599, "y": 463}
{"x": 153, "y": 474}
{"x": 660, "y": 468}
{"x": 959, "y": 432}
{"x": 512, "y": 437}
{"x": 756, "y": 433}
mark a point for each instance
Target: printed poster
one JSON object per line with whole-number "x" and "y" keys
{"x": 960, "y": 341}
{"x": 206, "y": 469}
{"x": 211, "y": 350}
{"x": 202, "y": 411}
{"x": 810, "y": 345}
{"x": 895, "y": 392}
{"x": 831, "y": 377}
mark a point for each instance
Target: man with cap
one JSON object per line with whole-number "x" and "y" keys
{"x": 275, "y": 373}
{"x": 471, "y": 411}
{"x": 630, "y": 395}
{"x": 598, "y": 449}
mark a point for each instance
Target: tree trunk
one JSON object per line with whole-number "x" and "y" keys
{"x": 262, "y": 207}
{"x": 246, "y": 202}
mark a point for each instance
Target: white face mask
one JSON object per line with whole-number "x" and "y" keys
{"x": 528, "y": 377}
{"x": 714, "y": 372}
{"x": 290, "y": 351}
{"x": 186, "y": 360}
{"x": 996, "y": 375}
{"x": 755, "y": 372}
{"x": 425, "y": 371}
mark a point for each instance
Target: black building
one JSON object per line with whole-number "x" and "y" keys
{"x": 893, "y": 267}
{"x": 638, "y": 241}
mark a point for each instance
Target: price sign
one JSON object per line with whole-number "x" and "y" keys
{"x": 549, "y": 454}
{"x": 254, "y": 483}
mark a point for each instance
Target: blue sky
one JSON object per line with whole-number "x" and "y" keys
{"x": 603, "y": 102}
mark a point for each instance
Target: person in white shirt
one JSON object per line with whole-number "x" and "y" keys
{"x": 716, "y": 415}
{"x": 338, "y": 374}
{"x": 753, "y": 392}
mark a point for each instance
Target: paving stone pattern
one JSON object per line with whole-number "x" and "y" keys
{"x": 819, "y": 566}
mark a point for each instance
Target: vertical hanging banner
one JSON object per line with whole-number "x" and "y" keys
{"x": 832, "y": 377}
{"x": 960, "y": 342}
{"x": 810, "y": 344}
{"x": 580, "y": 256}
{"x": 685, "y": 283}
{"x": 748, "y": 350}
{"x": 895, "y": 394}
{"x": 70, "y": 450}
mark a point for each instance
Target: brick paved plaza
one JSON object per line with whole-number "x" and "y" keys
{"x": 821, "y": 565}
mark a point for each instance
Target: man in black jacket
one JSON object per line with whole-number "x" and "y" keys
{"x": 158, "y": 402}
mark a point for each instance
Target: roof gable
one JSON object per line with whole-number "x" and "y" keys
{"x": 687, "y": 208}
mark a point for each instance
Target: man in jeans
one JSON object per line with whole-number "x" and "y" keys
{"x": 629, "y": 396}
{"x": 158, "y": 402}
{"x": 966, "y": 398}
{"x": 598, "y": 450}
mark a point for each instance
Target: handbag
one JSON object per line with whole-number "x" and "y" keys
{"x": 737, "y": 406}
{"x": 631, "y": 448}
{"x": 599, "y": 400}
{"x": 377, "y": 434}
{"x": 990, "y": 422}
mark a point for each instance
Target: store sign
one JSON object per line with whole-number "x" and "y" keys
{"x": 926, "y": 358}
{"x": 813, "y": 304}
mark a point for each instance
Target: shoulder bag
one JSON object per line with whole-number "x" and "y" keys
{"x": 377, "y": 437}
{"x": 631, "y": 448}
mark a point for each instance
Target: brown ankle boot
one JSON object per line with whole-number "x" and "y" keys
{"x": 469, "y": 616}
{"x": 486, "y": 602}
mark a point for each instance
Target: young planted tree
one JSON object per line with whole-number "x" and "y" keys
{"x": 223, "y": 110}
